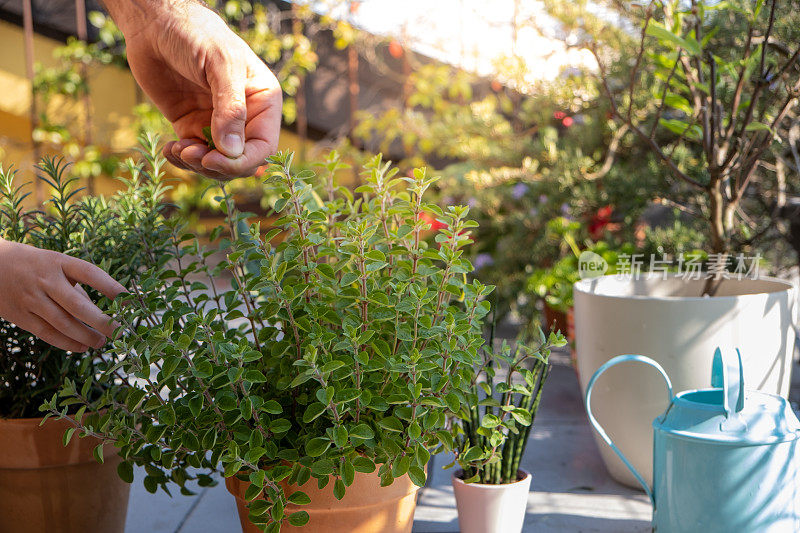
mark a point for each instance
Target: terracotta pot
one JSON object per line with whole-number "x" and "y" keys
{"x": 492, "y": 508}
{"x": 366, "y": 507}
{"x": 555, "y": 320}
{"x": 46, "y": 487}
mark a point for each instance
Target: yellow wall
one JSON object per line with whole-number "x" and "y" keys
{"x": 112, "y": 90}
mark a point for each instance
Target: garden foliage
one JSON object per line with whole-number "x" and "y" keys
{"x": 338, "y": 341}
{"x": 120, "y": 234}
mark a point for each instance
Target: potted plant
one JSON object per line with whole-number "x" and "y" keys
{"x": 491, "y": 431}
{"x": 48, "y": 479}
{"x": 706, "y": 91}
{"x": 553, "y": 285}
{"x": 316, "y": 373}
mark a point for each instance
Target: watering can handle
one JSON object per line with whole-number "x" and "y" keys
{"x": 613, "y": 362}
{"x": 729, "y": 376}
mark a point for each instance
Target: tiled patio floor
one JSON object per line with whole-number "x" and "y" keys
{"x": 570, "y": 493}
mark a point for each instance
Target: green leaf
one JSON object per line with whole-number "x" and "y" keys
{"x": 322, "y": 468}
{"x": 362, "y": 431}
{"x": 298, "y": 519}
{"x": 401, "y": 466}
{"x": 273, "y": 407}
{"x": 339, "y": 489}
{"x": 166, "y": 415}
{"x": 317, "y": 446}
{"x": 258, "y": 507}
{"x": 347, "y": 395}
{"x": 340, "y": 436}
{"x": 363, "y": 465}
{"x": 312, "y": 412}
{"x": 757, "y": 126}
{"x": 522, "y": 416}
{"x": 125, "y": 471}
{"x": 348, "y": 472}
{"x": 490, "y": 421}
{"x": 98, "y": 453}
{"x": 473, "y": 454}
{"x": 453, "y": 402}
{"x": 196, "y": 404}
{"x": 417, "y": 476}
{"x": 68, "y": 435}
{"x": 203, "y": 369}
{"x": 330, "y": 366}
{"x": 255, "y": 376}
{"x": 299, "y": 498}
{"x": 661, "y": 33}
{"x": 391, "y": 423}
{"x": 300, "y": 379}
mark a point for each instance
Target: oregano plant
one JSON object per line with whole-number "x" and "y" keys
{"x": 337, "y": 341}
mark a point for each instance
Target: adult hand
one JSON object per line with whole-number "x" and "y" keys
{"x": 40, "y": 293}
{"x": 199, "y": 73}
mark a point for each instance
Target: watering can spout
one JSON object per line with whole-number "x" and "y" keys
{"x": 613, "y": 362}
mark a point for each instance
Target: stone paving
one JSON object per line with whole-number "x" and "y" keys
{"x": 571, "y": 491}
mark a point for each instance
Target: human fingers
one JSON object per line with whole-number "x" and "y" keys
{"x": 84, "y": 272}
{"x": 80, "y": 306}
{"x": 263, "y": 132}
{"x": 255, "y": 152}
{"x": 167, "y": 151}
{"x": 63, "y": 322}
{"x": 193, "y": 155}
{"x": 43, "y": 330}
{"x": 227, "y": 78}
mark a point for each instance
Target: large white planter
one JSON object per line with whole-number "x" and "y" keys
{"x": 667, "y": 320}
{"x": 491, "y": 508}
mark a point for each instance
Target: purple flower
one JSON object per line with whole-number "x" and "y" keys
{"x": 579, "y": 119}
{"x": 543, "y": 199}
{"x": 483, "y": 260}
{"x": 519, "y": 190}
{"x": 565, "y": 209}
{"x": 472, "y": 202}
{"x": 533, "y": 212}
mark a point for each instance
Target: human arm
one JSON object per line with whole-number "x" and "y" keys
{"x": 200, "y": 73}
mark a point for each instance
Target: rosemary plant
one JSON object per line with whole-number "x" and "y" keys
{"x": 120, "y": 235}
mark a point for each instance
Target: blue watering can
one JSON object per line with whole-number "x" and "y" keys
{"x": 724, "y": 459}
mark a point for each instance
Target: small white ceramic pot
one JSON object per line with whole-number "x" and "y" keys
{"x": 491, "y": 508}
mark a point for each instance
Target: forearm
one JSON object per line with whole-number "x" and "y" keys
{"x": 133, "y": 15}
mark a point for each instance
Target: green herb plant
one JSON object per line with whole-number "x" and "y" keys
{"x": 119, "y": 234}
{"x": 337, "y": 342}
{"x": 492, "y": 428}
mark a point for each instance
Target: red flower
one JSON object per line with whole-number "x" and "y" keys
{"x": 496, "y": 86}
{"x": 395, "y": 49}
{"x": 600, "y": 221}
{"x": 567, "y": 121}
{"x": 435, "y": 225}
{"x": 558, "y": 115}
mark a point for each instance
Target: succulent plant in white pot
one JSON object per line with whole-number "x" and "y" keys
{"x": 491, "y": 432}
